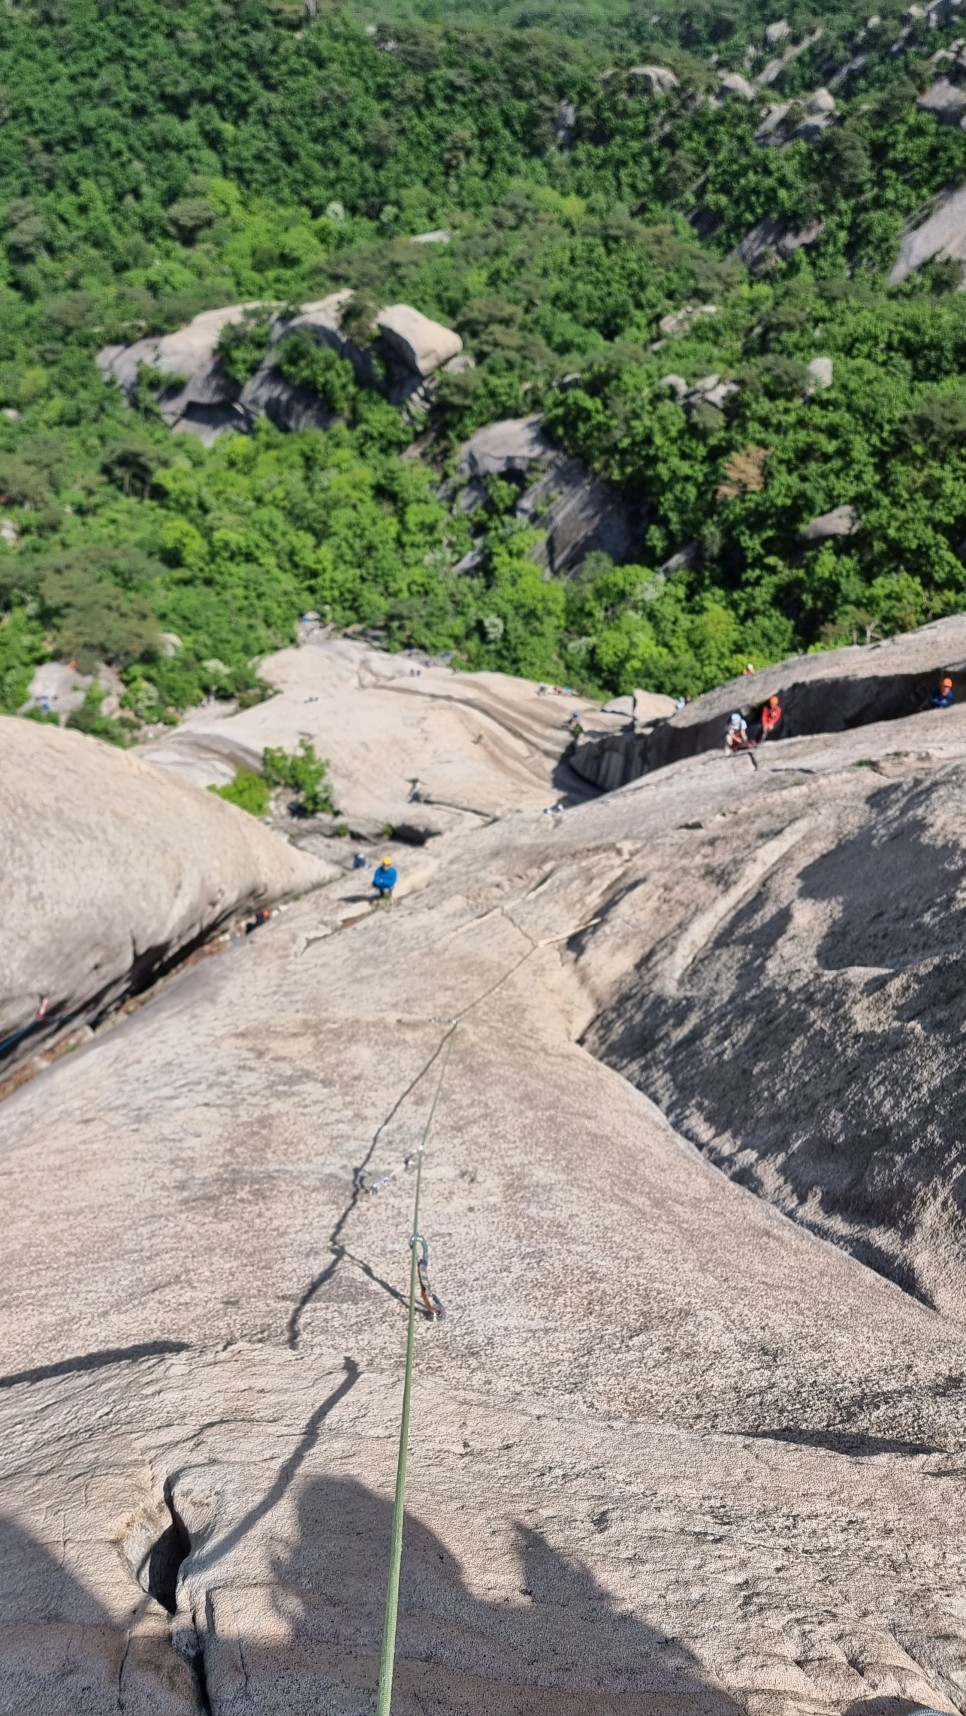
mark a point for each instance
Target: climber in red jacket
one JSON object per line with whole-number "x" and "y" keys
{"x": 770, "y": 718}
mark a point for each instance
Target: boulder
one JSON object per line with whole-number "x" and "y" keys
{"x": 777, "y": 32}
{"x": 675, "y": 384}
{"x": 442, "y": 235}
{"x": 946, "y": 100}
{"x": 942, "y": 234}
{"x": 407, "y": 351}
{"x": 777, "y": 234}
{"x": 766, "y": 132}
{"x": 57, "y": 687}
{"x": 418, "y": 343}
{"x": 841, "y": 521}
{"x": 619, "y": 706}
{"x": 9, "y": 533}
{"x": 680, "y": 322}
{"x": 732, "y": 83}
{"x": 651, "y": 706}
{"x": 513, "y": 445}
{"x": 579, "y": 514}
{"x": 822, "y": 372}
{"x": 653, "y": 80}
{"x": 111, "y": 871}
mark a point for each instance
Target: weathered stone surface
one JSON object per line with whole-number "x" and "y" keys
{"x": 441, "y": 235}
{"x": 774, "y": 233}
{"x": 942, "y": 234}
{"x": 57, "y": 687}
{"x": 822, "y": 372}
{"x": 407, "y": 740}
{"x": 722, "y": 1493}
{"x": 513, "y": 445}
{"x": 767, "y": 131}
{"x": 651, "y": 706}
{"x": 418, "y": 342}
{"x": 841, "y": 521}
{"x": 777, "y": 65}
{"x": 680, "y": 322}
{"x": 946, "y": 100}
{"x": 732, "y": 83}
{"x": 109, "y": 871}
{"x": 820, "y": 102}
{"x": 777, "y": 32}
{"x": 577, "y": 512}
{"x": 654, "y": 80}
{"x": 208, "y": 404}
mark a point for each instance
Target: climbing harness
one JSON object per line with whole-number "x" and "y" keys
{"x": 418, "y": 1282}
{"x": 432, "y": 1303}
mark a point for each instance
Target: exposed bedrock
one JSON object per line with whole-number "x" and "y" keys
{"x": 577, "y": 512}
{"x": 827, "y": 693}
{"x": 110, "y": 872}
{"x": 203, "y": 400}
{"x": 801, "y": 1029}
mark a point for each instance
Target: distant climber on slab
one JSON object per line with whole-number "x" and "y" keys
{"x": 942, "y": 696}
{"x": 769, "y": 721}
{"x": 736, "y": 738}
{"x": 385, "y": 879}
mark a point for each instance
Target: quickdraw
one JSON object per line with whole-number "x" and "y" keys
{"x": 432, "y": 1304}
{"x": 385, "y": 1180}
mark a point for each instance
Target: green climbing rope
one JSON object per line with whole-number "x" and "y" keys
{"x": 387, "y": 1660}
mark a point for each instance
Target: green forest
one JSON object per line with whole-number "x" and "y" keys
{"x": 164, "y": 157}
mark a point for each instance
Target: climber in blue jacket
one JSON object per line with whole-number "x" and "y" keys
{"x": 385, "y": 879}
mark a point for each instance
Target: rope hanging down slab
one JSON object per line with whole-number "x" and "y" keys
{"x": 418, "y": 1285}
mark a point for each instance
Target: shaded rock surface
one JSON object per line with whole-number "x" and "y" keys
{"x": 110, "y": 872}
{"x": 578, "y": 512}
{"x": 775, "y": 234}
{"x": 671, "y": 1452}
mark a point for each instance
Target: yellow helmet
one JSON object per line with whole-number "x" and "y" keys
{"x": 387, "y": 860}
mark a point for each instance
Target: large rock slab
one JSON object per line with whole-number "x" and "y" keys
{"x": 408, "y": 349}
{"x": 942, "y": 234}
{"x": 411, "y": 743}
{"x": 578, "y": 512}
{"x": 715, "y": 1457}
{"x": 510, "y": 446}
{"x": 111, "y": 871}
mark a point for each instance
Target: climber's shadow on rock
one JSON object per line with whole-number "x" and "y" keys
{"x": 550, "y": 1643}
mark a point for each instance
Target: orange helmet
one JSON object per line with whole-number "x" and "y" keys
{"x": 947, "y": 685}
{"x": 773, "y": 701}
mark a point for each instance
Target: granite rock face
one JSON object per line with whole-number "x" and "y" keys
{"x": 578, "y": 512}
{"x": 204, "y": 401}
{"x": 672, "y": 1454}
{"x": 110, "y": 871}
{"x": 942, "y": 234}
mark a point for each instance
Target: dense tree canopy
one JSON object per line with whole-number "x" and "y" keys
{"x": 159, "y": 159}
